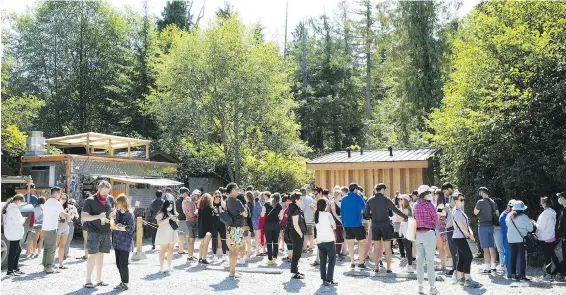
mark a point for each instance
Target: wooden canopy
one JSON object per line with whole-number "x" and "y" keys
{"x": 93, "y": 140}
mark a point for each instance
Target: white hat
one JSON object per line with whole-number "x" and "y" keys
{"x": 337, "y": 189}
{"x": 511, "y": 203}
{"x": 423, "y": 189}
{"x": 196, "y": 192}
{"x": 433, "y": 188}
{"x": 404, "y": 197}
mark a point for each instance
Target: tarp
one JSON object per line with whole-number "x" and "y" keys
{"x": 150, "y": 181}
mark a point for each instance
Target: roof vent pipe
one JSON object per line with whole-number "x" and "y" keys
{"x": 390, "y": 151}
{"x": 348, "y": 151}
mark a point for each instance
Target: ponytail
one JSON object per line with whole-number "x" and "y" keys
{"x": 320, "y": 206}
{"x": 316, "y": 216}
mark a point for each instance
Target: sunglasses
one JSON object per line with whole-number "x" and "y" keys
{"x": 461, "y": 200}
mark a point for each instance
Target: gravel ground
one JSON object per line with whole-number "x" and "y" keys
{"x": 194, "y": 279}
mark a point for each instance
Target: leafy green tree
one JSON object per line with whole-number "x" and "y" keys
{"x": 501, "y": 123}
{"x": 231, "y": 94}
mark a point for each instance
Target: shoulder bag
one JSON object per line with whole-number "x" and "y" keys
{"x": 472, "y": 244}
{"x": 494, "y": 217}
{"x": 530, "y": 240}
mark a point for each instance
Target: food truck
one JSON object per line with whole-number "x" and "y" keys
{"x": 83, "y": 160}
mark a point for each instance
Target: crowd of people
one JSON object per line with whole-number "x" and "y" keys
{"x": 429, "y": 221}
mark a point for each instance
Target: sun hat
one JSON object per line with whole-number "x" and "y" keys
{"x": 337, "y": 189}
{"x": 519, "y": 205}
{"x": 423, "y": 189}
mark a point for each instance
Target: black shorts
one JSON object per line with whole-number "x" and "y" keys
{"x": 359, "y": 233}
{"x": 97, "y": 242}
{"x": 287, "y": 239}
{"x": 382, "y": 233}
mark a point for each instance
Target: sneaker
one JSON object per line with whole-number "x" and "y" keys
{"x": 161, "y": 269}
{"x": 524, "y": 279}
{"x": 49, "y": 269}
{"x": 433, "y": 291}
{"x": 191, "y": 258}
{"x": 332, "y": 283}
{"x": 449, "y": 272}
{"x": 204, "y": 261}
{"x": 286, "y": 260}
{"x": 214, "y": 259}
{"x": 352, "y": 266}
{"x": 298, "y": 276}
{"x": 11, "y": 274}
{"x": 19, "y": 272}
{"x": 500, "y": 268}
{"x": 339, "y": 257}
{"x": 315, "y": 263}
{"x": 485, "y": 272}
{"x": 472, "y": 284}
{"x": 389, "y": 271}
{"x": 461, "y": 282}
{"x": 408, "y": 269}
{"x": 241, "y": 261}
{"x": 362, "y": 266}
{"x": 420, "y": 290}
{"x": 271, "y": 262}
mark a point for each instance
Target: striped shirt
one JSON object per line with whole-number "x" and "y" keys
{"x": 425, "y": 215}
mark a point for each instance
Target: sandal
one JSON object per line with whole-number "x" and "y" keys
{"x": 83, "y": 257}
{"x": 102, "y": 284}
{"x": 63, "y": 267}
{"x": 89, "y": 285}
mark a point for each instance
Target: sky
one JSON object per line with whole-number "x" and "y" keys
{"x": 270, "y": 13}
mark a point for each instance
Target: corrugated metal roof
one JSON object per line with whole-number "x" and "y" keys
{"x": 421, "y": 154}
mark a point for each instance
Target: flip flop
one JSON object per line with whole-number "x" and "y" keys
{"x": 89, "y": 285}
{"x": 102, "y": 284}
{"x": 83, "y": 257}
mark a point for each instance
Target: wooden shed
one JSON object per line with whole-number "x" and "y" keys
{"x": 401, "y": 170}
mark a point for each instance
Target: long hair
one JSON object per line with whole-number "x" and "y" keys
{"x": 205, "y": 201}
{"x": 440, "y": 198}
{"x": 166, "y": 204}
{"x": 18, "y": 197}
{"x": 250, "y": 197}
{"x": 295, "y": 196}
{"x": 66, "y": 204}
{"x": 320, "y": 206}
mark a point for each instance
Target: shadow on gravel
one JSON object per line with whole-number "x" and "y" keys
{"x": 155, "y": 276}
{"x": 31, "y": 276}
{"x": 471, "y": 291}
{"x": 293, "y": 286}
{"x": 82, "y": 291}
{"x": 226, "y": 285}
{"x": 325, "y": 290}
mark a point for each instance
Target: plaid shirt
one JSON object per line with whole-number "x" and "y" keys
{"x": 123, "y": 240}
{"x": 425, "y": 214}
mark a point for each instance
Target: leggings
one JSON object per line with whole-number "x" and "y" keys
{"x": 271, "y": 241}
{"x": 297, "y": 250}
{"x": 465, "y": 256}
{"x": 122, "y": 264}
{"x": 408, "y": 247}
{"x": 219, "y": 228}
{"x": 14, "y": 255}
{"x": 550, "y": 257}
{"x": 339, "y": 237}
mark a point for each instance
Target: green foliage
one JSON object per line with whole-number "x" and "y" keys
{"x": 231, "y": 93}
{"x": 179, "y": 14}
{"x": 501, "y": 123}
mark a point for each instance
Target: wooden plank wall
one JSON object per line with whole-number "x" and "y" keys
{"x": 404, "y": 180}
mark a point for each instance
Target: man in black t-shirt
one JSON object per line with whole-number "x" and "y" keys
{"x": 236, "y": 230}
{"x": 95, "y": 214}
{"x": 183, "y": 226}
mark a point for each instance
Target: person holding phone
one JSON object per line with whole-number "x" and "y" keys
{"x": 63, "y": 230}
{"x": 166, "y": 236}
{"x": 462, "y": 232}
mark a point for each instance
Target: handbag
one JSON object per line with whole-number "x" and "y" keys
{"x": 173, "y": 224}
{"x": 471, "y": 244}
{"x": 411, "y": 229}
{"x": 530, "y": 240}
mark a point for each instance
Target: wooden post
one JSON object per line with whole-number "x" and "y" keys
{"x": 139, "y": 255}
{"x": 110, "y": 150}
{"x": 87, "y": 144}
{"x": 147, "y": 151}
{"x": 129, "y": 147}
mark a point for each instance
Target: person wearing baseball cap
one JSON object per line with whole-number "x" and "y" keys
{"x": 351, "y": 214}
{"x": 381, "y": 227}
{"x": 485, "y": 210}
{"x": 427, "y": 221}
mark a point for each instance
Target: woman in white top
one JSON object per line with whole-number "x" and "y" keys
{"x": 63, "y": 231}
{"x": 325, "y": 226}
{"x": 37, "y": 243}
{"x": 441, "y": 239}
{"x": 14, "y": 232}
{"x": 166, "y": 235}
{"x": 546, "y": 224}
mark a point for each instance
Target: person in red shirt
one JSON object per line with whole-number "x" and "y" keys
{"x": 426, "y": 219}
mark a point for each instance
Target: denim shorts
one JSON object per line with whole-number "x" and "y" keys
{"x": 486, "y": 236}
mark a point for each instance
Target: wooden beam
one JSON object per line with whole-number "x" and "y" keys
{"x": 367, "y": 165}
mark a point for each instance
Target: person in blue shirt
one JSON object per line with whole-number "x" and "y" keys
{"x": 30, "y": 197}
{"x": 503, "y": 226}
{"x": 351, "y": 210}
